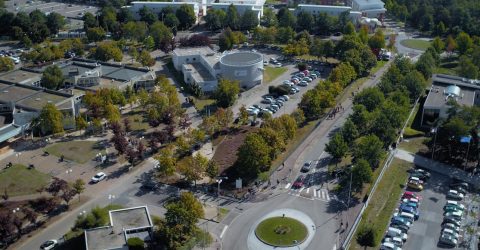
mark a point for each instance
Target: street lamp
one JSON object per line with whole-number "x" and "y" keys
{"x": 219, "y": 180}
{"x": 434, "y": 130}
{"x": 82, "y": 213}
{"x": 15, "y": 210}
{"x": 18, "y": 156}
{"x": 110, "y": 198}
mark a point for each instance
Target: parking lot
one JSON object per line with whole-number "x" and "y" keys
{"x": 65, "y": 9}
{"x": 425, "y": 232}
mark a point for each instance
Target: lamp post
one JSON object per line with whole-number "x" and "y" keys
{"x": 434, "y": 130}
{"x": 68, "y": 172}
{"x": 219, "y": 181}
{"x": 110, "y": 198}
{"x": 18, "y": 156}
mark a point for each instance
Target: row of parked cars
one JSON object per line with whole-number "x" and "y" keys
{"x": 407, "y": 212}
{"x": 275, "y": 103}
{"x": 453, "y": 213}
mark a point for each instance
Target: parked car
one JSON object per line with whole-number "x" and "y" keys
{"x": 409, "y": 209}
{"x": 272, "y": 110}
{"x": 451, "y": 226}
{"x": 455, "y": 195}
{"x": 389, "y": 246}
{"x": 420, "y": 176}
{"x": 395, "y": 232}
{"x": 415, "y": 185}
{"x": 408, "y": 195}
{"x": 299, "y": 182}
{"x": 461, "y": 184}
{"x": 416, "y": 179}
{"x": 447, "y": 240}
{"x": 308, "y": 180}
{"x": 99, "y": 177}
{"x": 303, "y": 83}
{"x": 450, "y": 232}
{"x": 400, "y": 221}
{"x": 451, "y": 208}
{"x": 267, "y": 100}
{"x": 307, "y": 166}
{"x": 402, "y": 228}
{"x": 457, "y": 214}
{"x": 455, "y": 203}
{"x": 406, "y": 202}
{"x": 410, "y": 217}
{"x": 451, "y": 220}
{"x": 461, "y": 190}
{"x": 49, "y": 244}
{"x": 397, "y": 241}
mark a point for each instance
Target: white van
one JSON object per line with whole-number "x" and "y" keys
{"x": 394, "y": 232}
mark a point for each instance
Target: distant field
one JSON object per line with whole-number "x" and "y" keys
{"x": 18, "y": 180}
{"x": 416, "y": 44}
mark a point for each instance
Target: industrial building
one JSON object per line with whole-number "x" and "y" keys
{"x": 447, "y": 88}
{"x": 124, "y": 224}
{"x": 203, "y": 67}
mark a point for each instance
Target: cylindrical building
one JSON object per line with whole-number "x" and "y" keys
{"x": 246, "y": 67}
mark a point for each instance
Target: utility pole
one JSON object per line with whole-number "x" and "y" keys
{"x": 434, "y": 130}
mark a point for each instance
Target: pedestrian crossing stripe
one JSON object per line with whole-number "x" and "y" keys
{"x": 308, "y": 190}
{"x": 287, "y": 186}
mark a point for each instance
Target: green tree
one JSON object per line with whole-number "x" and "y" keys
{"x": 274, "y": 140}
{"x": 162, "y": 36}
{"x": 6, "y": 64}
{"x": 106, "y": 51}
{"x": 285, "y": 34}
{"x": 215, "y": 19}
{"x": 233, "y": 18}
{"x": 171, "y": 21}
{"x": 425, "y": 65}
{"x": 96, "y": 34}
{"x": 135, "y": 243}
{"x": 415, "y": 84}
{"x": 349, "y": 131}
{"x": 438, "y": 45}
{"x": 337, "y": 147}
{"x": 253, "y": 157}
{"x": 249, "y": 20}
{"x": 370, "y": 148}
{"x": 286, "y": 18}
{"x": 361, "y": 173}
{"x": 184, "y": 214}
{"x": 167, "y": 161}
{"x": 377, "y": 41}
{"x": 80, "y": 123}
{"x": 112, "y": 113}
{"x": 186, "y": 16}
{"x": 227, "y": 92}
{"x": 349, "y": 29}
{"x": 305, "y": 21}
{"x": 145, "y": 58}
{"x": 78, "y": 187}
{"x": 243, "y": 116}
{"x": 371, "y": 98}
{"x": 89, "y": 21}
{"x": 50, "y": 120}
{"x": 194, "y": 168}
{"x": 363, "y": 34}
{"x": 451, "y": 45}
{"x": 147, "y": 15}
{"x": 467, "y": 68}
{"x": 269, "y": 19}
{"x": 464, "y": 43}
{"x": 149, "y": 43}
{"x": 344, "y": 73}
{"x": 212, "y": 169}
{"x": 52, "y": 77}
{"x": 367, "y": 236}
{"x": 55, "y": 22}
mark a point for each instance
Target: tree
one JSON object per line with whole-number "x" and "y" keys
{"x": 305, "y": 21}
{"x": 425, "y": 64}
{"x": 286, "y": 18}
{"x": 363, "y": 34}
{"x": 451, "y": 45}
{"x": 194, "y": 168}
{"x": 80, "y": 123}
{"x": 464, "y": 43}
{"x": 377, "y": 41}
{"x": 147, "y": 15}
{"x": 120, "y": 143}
{"x": 135, "y": 243}
{"x": 55, "y": 22}
{"x": 227, "y": 92}
{"x": 52, "y": 77}
{"x": 212, "y": 169}
{"x": 6, "y": 64}
{"x": 112, "y": 113}
{"x": 243, "y": 116}
{"x": 367, "y": 236}
{"x": 249, "y": 20}
{"x": 215, "y": 19}
{"x": 96, "y": 34}
{"x": 50, "y": 120}
{"x": 162, "y": 35}
{"x": 415, "y": 84}
{"x": 171, "y": 21}
{"x": 89, "y": 21}
{"x": 269, "y": 19}
{"x": 68, "y": 195}
{"x": 370, "y": 148}
{"x": 233, "y": 18}
{"x": 106, "y": 51}
{"x": 183, "y": 215}
{"x": 253, "y": 157}
{"x": 438, "y": 45}
{"x": 361, "y": 173}
{"x": 167, "y": 161}
{"x": 285, "y": 34}
{"x": 337, "y": 147}
{"x": 344, "y": 73}
{"x": 467, "y": 68}
{"x": 349, "y": 29}
{"x": 78, "y": 187}
{"x": 56, "y": 186}
{"x": 186, "y": 16}
{"x": 30, "y": 215}
{"x": 145, "y": 58}
{"x": 371, "y": 98}
{"x": 349, "y": 131}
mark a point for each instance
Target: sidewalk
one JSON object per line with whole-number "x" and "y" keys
{"x": 438, "y": 167}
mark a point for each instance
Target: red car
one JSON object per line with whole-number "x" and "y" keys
{"x": 299, "y": 182}
{"x": 408, "y": 195}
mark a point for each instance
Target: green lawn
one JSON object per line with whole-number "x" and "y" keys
{"x": 78, "y": 151}
{"x": 416, "y": 44}
{"x": 413, "y": 122}
{"x": 414, "y": 145}
{"x": 281, "y": 231}
{"x": 384, "y": 200}
{"x": 272, "y": 73}
{"x": 200, "y": 104}
{"x": 18, "y": 180}
{"x": 137, "y": 121}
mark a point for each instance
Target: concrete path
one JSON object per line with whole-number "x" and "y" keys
{"x": 438, "y": 167}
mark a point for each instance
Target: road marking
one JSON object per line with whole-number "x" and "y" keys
{"x": 334, "y": 247}
{"x": 287, "y": 186}
{"x": 315, "y": 193}
{"x": 223, "y": 231}
{"x": 308, "y": 190}
{"x": 301, "y": 189}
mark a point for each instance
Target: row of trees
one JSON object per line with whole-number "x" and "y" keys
{"x": 218, "y": 19}
{"x": 50, "y": 52}
{"x": 33, "y": 27}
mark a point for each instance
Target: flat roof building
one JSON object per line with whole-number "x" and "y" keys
{"x": 124, "y": 224}
{"x": 447, "y": 88}
{"x": 203, "y": 67}
{"x": 370, "y": 8}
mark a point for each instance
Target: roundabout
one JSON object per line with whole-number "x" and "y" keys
{"x": 281, "y": 231}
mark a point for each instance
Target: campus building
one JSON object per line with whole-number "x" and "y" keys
{"x": 370, "y": 8}
{"x": 447, "y": 88}
{"x": 202, "y": 67}
{"x": 316, "y": 10}
{"x": 124, "y": 224}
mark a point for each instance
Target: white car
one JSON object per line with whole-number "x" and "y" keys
{"x": 278, "y": 65}
{"x": 454, "y": 194}
{"x": 49, "y": 244}
{"x": 99, "y": 177}
{"x": 303, "y": 83}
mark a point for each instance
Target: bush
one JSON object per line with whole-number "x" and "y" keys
{"x": 279, "y": 90}
{"x": 135, "y": 244}
{"x": 302, "y": 66}
{"x": 366, "y": 236}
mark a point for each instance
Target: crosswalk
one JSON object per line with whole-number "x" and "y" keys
{"x": 311, "y": 193}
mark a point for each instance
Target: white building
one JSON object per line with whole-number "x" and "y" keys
{"x": 330, "y": 10}
{"x": 203, "y": 67}
{"x": 255, "y": 5}
{"x": 157, "y": 7}
{"x": 370, "y": 8}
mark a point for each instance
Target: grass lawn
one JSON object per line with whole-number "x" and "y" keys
{"x": 200, "y": 104}
{"x": 78, "y": 151}
{"x": 281, "y": 231}
{"x": 384, "y": 200}
{"x": 137, "y": 121}
{"x": 416, "y": 44}
{"x": 222, "y": 212}
{"x": 272, "y": 73}
{"x": 414, "y": 124}
{"x": 414, "y": 145}
{"x": 18, "y": 180}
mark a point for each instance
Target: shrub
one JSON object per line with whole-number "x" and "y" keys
{"x": 302, "y": 66}
{"x": 366, "y": 236}
{"x": 135, "y": 244}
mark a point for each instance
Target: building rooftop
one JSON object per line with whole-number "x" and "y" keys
{"x": 121, "y": 221}
{"x": 193, "y": 51}
{"x": 241, "y": 58}
{"x": 456, "y": 80}
{"x": 125, "y": 74}
{"x": 346, "y": 8}
{"x": 14, "y": 93}
{"x": 40, "y": 99}
{"x": 199, "y": 72}
{"x": 369, "y": 3}
{"x": 76, "y": 69}
{"x": 440, "y": 94}
{"x": 20, "y": 76}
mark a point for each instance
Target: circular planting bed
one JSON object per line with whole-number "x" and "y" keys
{"x": 281, "y": 231}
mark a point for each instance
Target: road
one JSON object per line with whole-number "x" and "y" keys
{"x": 321, "y": 211}
{"x": 117, "y": 187}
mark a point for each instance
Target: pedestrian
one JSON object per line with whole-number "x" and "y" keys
{"x": 283, "y": 216}
{"x": 278, "y": 182}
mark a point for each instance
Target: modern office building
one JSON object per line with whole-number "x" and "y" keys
{"x": 203, "y": 67}
{"x": 444, "y": 89}
{"x": 124, "y": 224}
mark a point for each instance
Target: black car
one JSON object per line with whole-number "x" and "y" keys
{"x": 459, "y": 184}
{"x": 402, "y": 228}
{"x": 307, "y": 166}
{"x": 308, "y": 181}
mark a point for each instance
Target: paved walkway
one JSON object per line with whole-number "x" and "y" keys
{"x": 438, "y": 167}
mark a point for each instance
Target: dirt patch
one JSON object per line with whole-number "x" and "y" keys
{"x": 226, "y": 151}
